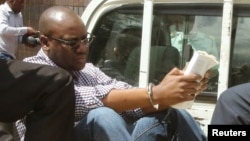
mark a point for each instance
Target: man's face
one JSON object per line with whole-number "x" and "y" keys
{"x": 17, "y": 5}
{"x": 72, "y": 54}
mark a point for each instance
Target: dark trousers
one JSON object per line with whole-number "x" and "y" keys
{"x": 233, "y": 106}
{"x": 44, "y": 94}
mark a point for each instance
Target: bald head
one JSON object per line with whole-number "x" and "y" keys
{"x": 60, "y": 29}
{"x": 55, "y": 17}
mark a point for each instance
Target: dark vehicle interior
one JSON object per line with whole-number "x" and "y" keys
{"x": 177, "y": 31}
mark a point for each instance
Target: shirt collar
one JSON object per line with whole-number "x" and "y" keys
{"x": 47, "y": 59}
{"x": 6, "y": 5}
{"x": 50, "y": 62}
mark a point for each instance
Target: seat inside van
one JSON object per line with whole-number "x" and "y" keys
{"x": 162, "y": 60}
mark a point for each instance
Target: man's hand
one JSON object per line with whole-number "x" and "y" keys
{"x": 177, "y": 87}
{"x": 32, "y": 31}
{"x": 31, "y": 38}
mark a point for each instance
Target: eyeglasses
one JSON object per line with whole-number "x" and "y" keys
{"x": 74, "y": 44}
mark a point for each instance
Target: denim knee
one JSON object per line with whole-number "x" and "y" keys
{"x": 102, "y": 124}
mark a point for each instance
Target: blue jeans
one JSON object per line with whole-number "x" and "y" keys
{"x": 104, "y": 124}
{"x": 171, "y": 125}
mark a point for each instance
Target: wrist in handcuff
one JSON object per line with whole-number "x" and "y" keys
{"x": 150, "y": 94}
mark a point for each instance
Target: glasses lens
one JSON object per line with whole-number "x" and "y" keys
{"x": 76, "y": 43}
{"x": 90, "y": 39}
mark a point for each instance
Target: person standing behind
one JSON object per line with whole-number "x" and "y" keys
{"x": 12, "y": 30}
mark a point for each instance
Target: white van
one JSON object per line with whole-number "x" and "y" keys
{"x": 134, "y": 34}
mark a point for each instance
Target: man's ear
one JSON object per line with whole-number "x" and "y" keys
{"x": 44, "y": 42}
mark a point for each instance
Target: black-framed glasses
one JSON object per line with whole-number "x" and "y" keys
{"x": 76, "y": 43}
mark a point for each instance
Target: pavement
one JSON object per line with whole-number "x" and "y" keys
{"x": 202, "y": 111}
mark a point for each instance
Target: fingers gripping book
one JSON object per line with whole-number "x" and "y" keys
{"x": 200, "y": 63}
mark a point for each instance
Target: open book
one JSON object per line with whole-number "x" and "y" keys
{"x": 200, "y": 63}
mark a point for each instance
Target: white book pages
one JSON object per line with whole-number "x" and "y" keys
{"x": 200, "y": 63}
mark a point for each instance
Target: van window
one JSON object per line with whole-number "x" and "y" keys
{"x": 177, "y": 31}
{"x": 240, "y": 63}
